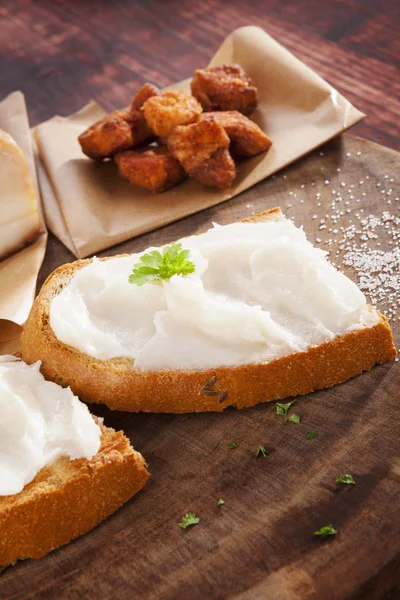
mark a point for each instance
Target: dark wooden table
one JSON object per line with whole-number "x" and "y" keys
{"x": 60, "y": 54}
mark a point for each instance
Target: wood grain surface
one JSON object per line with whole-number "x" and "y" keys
{"x": 260, "y": 543}
{"x": 61, "y": 53}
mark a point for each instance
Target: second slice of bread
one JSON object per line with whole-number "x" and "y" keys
{"x": 69, "y": 498}
{"x": 115, "y": 383}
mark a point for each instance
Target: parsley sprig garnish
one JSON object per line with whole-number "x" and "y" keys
{"x": 312, "y": 435}
{"x": 346, "y": 478}
{"x": 220, "y": 502}
{"x": 188, "y": 520}
{"x": 161, "y": 266}
{"x": 232, "y": 445}
{"x": 325, "y": 531}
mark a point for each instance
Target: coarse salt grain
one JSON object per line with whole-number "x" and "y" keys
{"x": 378, "y": 270}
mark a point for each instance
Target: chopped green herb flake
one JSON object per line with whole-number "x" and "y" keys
{"x": 325, "y": 531}
{"x": 346, "y": 479}
{"x": 161, "y": 266}
{"x": 220, "y": 502}
{"x": 282, "y": 409}
{"x": 188, "y": 520}
{"x": 312, "y": 435}
{"x": 293, "y": 418}
{"x": 232, "y": 445}
{"x": 261, "y": 451}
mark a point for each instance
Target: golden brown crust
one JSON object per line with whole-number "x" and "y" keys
{"x": 148, "y": 90}
{"x": 218, "y": 171}
{"x": 193, "y": 145}
{"x": 120, "y": 387}
{"x": 152, "y": 168}
{"x": 225, "y": 87}
{"x": 247, "y": 139}
{"x": 141, "y": 132}
{"x": 165, "y": 112}
{"x": 110, "y": 134}
{"x": 118, "y": 131}
{"x": 69, "y": 498}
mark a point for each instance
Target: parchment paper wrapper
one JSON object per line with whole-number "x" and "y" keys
{"x": 90, "y": 207}
{"x": 18, "y": 272}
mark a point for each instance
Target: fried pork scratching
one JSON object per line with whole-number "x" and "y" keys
{"x": 148, "y": 90}
{"x": 152, "y": 168}
{"x": 120, "y": 130}
{"x": 163, "y": 113}
{"x": 226, "y": 87}
{"x": 202, "y": 150}
{"x": 247, "y": 139}
{"x": 201, "y": 145}
{"x": 217, "y": 171}
{"x": 111, "y": 134}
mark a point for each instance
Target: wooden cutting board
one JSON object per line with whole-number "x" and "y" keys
{"x": 260, "y": 544}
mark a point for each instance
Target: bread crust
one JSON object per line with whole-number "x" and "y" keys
{"x": 69, "y": 498}
{"x": 116, "y": 384}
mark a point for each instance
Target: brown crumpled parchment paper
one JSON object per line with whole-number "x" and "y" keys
{"x": 89, "y": 207}
{"x": 18, "y": 272}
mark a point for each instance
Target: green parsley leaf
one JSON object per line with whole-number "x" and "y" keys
{"x": 346, "y": 479}
{"x": 293, "y": 419}
{"x": 261, "y": 451}
{"x": 325, "y": 531}
{"x": 161, "y": 266}
{"x": 232, "y": 445}
{"x": 282, "y": 409}
{"x": 312, "y": 435}
{"x": 220, "y": 502}
{"x": 188, "y": 520}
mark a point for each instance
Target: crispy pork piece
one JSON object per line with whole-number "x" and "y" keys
{"x": 111, "y": 134}
{"x": 226, "y": 87}
{"x": 202, "y": 150}
{"x": 217, "y": 171}
{"x": 120, "y": 130}
{"x": 152, "y": 168}
{"x": 148, "y": 90}
{"x": 163, "y": 113}
{"x": 114, "y": 133}
{"x": 247, "y": 139}
{"x": 195, "y": 143}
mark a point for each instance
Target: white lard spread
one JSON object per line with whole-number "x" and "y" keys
{"x": 39, "y": 422}
{"x": 260, "y": 291}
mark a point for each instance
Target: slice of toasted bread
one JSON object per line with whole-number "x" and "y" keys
{"x": 115, "y": 383}
{"x": 68, "y": 498}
